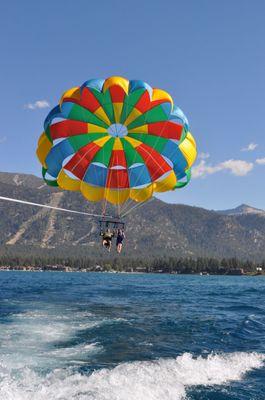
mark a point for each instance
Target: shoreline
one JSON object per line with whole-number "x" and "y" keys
{"x": 24, "y": 269}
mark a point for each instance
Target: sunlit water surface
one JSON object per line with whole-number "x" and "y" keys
{"x": 80, "y": 336}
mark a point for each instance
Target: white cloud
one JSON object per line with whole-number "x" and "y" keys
{"x": 250, "y": 147}
{"x": 260, "y": 161}
{"x": 202, "y": 169}
{"x": 3, "y": 139}
{"x": 236, "y": 167}
{"x": 37, "y": 104}
{"x": 203, "y": 156}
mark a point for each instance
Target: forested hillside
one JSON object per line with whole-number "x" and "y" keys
{"x": 156, "y": 229}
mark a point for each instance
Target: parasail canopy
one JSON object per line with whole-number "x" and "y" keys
{"x": 118, "y": 141}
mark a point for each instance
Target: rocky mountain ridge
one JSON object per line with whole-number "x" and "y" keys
{"x": 155, "y": 229}
{"x": 242, "y": 209}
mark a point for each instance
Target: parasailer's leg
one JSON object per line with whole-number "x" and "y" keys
{"x": 107, "y": 244}
{"x": 119, "y": 247}
{"x": 120, "y": 238}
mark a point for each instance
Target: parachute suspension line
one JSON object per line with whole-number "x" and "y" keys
{"x": 130, "y": 205}
{"x": 87, "y": 152}
{"x": 123, "y": 205}
{"x": 79, "y": 161}
{"x": 131, "y": 202}
{"x": 118, "y": 204}
{"x": 156, "y": 141}
{"x": 104, "y": 200}
{"x": 119, "y": 199}
{"x": 103, "y": 208}
{"x": 106, "y": 190}
{"x": 76, "y": 164}
{"x": 127, "y": 206}
{"x": 50, "y": 207}
{"x": 97, "y": 175}
{"x": 138, "y": 205}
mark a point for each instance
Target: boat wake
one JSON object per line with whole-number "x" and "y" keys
{"x": 143, "y": 380}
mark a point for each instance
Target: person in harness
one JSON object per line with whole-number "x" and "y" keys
{"x": 119, "y": 240}
{"x": 107, "y": 238}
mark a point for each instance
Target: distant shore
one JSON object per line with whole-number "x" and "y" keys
{"x": 112, "y": 263}
{"x": 55, "y": 268}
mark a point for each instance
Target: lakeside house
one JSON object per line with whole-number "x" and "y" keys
{"x": 236, "y": 271}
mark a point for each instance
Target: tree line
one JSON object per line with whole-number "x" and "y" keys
{"x": 132, "y": 264}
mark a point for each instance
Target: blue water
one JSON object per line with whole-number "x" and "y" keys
{"x": 80, "y": 336}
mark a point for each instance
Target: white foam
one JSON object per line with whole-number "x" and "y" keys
{"x": 31, "y": 338}
{"x": 75, "y": 353}
{"x": 158, "y": 380}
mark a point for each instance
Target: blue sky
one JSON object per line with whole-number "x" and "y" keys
{"x": 209, "y": 55}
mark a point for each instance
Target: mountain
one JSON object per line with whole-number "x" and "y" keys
{"x": 22, "y": 180}
{"x": 155, "y": 229}
{"x": 242, "y": 209}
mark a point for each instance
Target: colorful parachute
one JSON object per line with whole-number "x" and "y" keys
{"x": 116, "y": 140}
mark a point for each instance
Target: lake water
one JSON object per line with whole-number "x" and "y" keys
{"x": 82, "y": 336}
